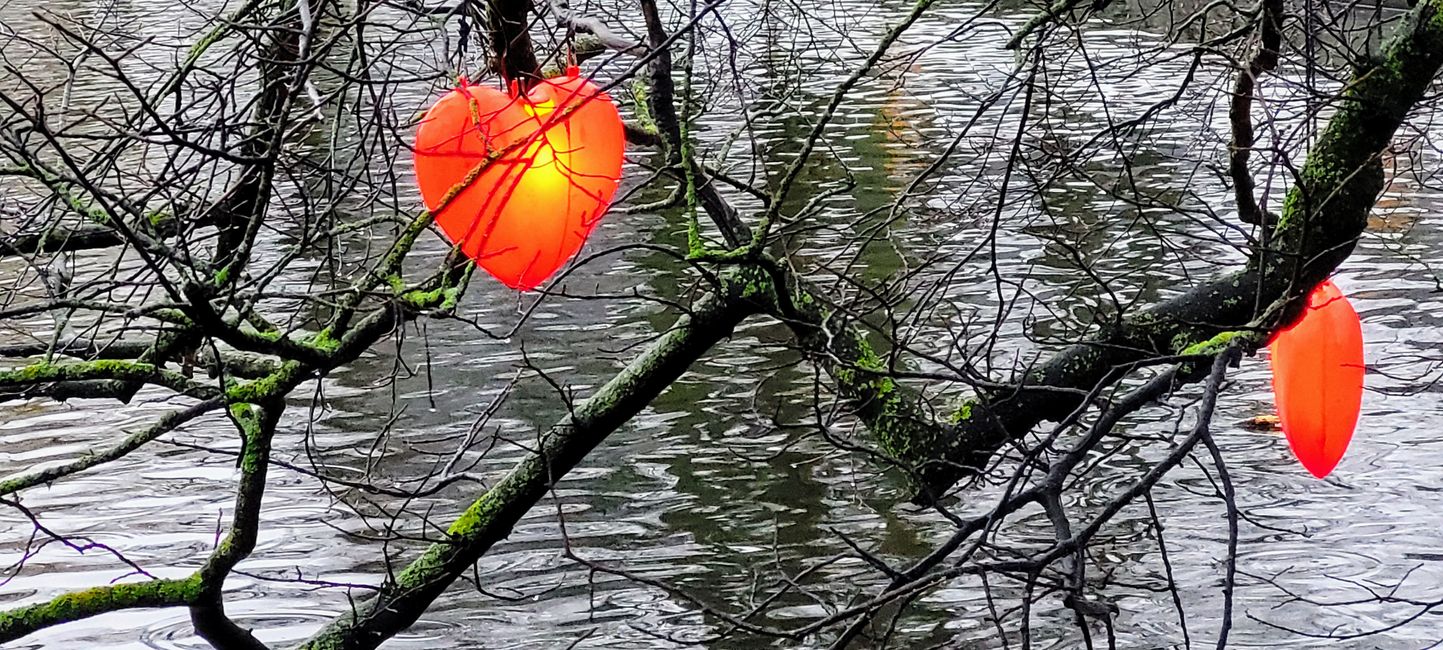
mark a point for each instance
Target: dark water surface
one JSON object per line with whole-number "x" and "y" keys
{"x": 702, "y": 489}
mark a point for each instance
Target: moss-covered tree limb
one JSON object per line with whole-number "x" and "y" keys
{"x": 276, "y": 344}
{"x": 592, "y": 37}
{"x": 257, "y": 425}
{"x": 57, "y": 240}
{"x": 172, "y": 344}
{"x": 78, "y": 605}
{"x": 127, "y": 371}
{"x": 255, "y": 406}
{"x": 62, "y": 391}
{"x": 238, "y": 214}
{"x": 899, "y": 419}
{"x": 212, "y": 312}
{"x": 901, "y": 422}
{"x": 1321, "y": 220}
{"x": 490, "y": 518}
{"x": 638, "y": 135}
{"x": 202, "y": 592}
{"x": 215, "y": 362}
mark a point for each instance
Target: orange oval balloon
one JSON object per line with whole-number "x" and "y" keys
{"x": 528, "y": 212}
{"x": 1318, "y": 379}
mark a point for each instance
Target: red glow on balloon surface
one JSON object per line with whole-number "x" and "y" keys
{"x": 1318, "y": 379}
{"x": 560, "y": 150}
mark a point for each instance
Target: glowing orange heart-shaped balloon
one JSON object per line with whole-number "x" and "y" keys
{"x": 1318, "y": 379}
{"x": 558, "y": 159}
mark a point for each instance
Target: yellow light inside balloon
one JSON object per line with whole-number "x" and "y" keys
{"x": 544, "y": 172}
{"x": 539, "y": 109}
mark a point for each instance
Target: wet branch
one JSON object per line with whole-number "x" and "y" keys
{"x": 257, "y": 425}
{"x": 490, "y": 518}
{"x": 1322, "y": 218}
{"x": 1240, "y": 111}
{"x": 79, "y": 605}
{"x": 94, "y": 458}
{"x": 898, "y": 416}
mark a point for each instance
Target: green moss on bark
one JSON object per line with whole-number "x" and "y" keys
{"x": 78, "y": 605}
{"x": 1321, "y": 219}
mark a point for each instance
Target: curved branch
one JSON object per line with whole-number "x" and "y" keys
{"x": 128, "y": 371}
{"x": 1240, "y": 112}
{"x": 93, "y": 458}
{"x": 1322, "y": 218}
{"x": 207, "y": 611}
{"x": 491, "y": 517}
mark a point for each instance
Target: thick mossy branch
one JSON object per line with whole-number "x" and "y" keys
{"x": 491, "y": 517}
{"x": 106, "y": 369}
{"x": 1322, "y": 217}
{"x": 898, "y": 417}
{"x": 254, "y": 407}
{"x": 56, "y": 240}
{"x": 257, "y": 426}
{"x": 78, "y": 605}
{"x": 215, "y": 362}
{"x": 271, "y": 387}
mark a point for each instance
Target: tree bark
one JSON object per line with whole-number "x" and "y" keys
{"x": 491, "y": 517}
{"x": 1321, "y": 220}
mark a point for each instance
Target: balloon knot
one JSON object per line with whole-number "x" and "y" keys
{"x": 573, "y": 71}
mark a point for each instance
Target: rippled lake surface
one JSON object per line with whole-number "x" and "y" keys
{"x": 703, "y": 489}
